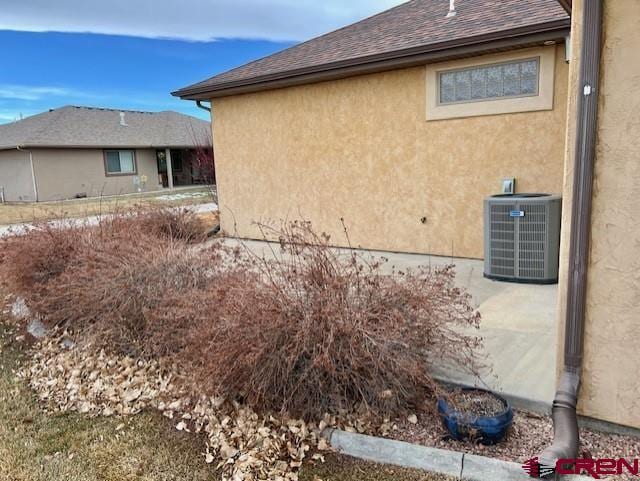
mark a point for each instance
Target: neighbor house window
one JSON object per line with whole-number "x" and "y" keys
{"x": 120, "y": 162}
{"x": 511, "y": 79}
{"x": 502, "y": 83}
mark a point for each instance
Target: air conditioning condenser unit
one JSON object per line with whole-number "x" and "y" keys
{"x": 522, "y": 237}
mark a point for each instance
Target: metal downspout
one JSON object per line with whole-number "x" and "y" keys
{"x": 33, "y": 171}
{"x": 566, "y": 440}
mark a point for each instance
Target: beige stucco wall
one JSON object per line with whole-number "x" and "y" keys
{"x": 15, "y": 176}
{"x": 64, "y": 173}
{"x": 611, "y": 386}
{"x": 361, "y": 149}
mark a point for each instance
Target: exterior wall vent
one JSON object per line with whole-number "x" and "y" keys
{"x": 522, "y": 237}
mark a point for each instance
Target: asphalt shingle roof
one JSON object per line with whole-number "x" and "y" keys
{"x": 414, "y": 24}
{"x": 73, "y": 126}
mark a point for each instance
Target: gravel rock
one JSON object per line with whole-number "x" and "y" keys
{"x": 529, "y": 435}
{"x": 37, "y": 329}
{"x": 19, "y": 309}
{"x": 476, "y": 403}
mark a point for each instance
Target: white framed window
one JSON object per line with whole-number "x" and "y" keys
{"x": 120, "y": 162}
{"x": 517, "y": 81}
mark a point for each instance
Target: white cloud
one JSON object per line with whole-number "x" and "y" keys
{"x": 13, "y": 115}
{"x": 23, "y": 92}
{"x": 190, "y": 19}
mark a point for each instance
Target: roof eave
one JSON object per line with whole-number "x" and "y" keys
{"x": 517, "y": 38}
{"x": 566, "y": 4}
{"x": 99, "y": 147}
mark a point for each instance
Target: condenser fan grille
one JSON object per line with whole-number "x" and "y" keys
{"x": 522, "y": 237}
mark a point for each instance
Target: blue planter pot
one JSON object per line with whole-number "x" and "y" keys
{"x": 483, "y": 429}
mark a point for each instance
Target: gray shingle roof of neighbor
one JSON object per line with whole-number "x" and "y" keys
{"x": 72, "y": 126}
{"x": 410, "y": 28}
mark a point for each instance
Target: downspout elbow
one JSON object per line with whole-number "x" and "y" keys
{"x": 566, "y": 438}
{"x": 203, "y": 107}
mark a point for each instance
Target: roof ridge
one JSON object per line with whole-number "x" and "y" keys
{"x": 108, "y": 109}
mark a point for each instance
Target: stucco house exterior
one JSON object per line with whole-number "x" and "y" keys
{"x": 349, "y": 125}
{"x": 73, "y": 152}
{"x": 402, "y": 124}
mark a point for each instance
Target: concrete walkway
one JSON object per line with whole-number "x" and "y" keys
{"x": 518, "y": 327}
{"x": 18, "y": 229}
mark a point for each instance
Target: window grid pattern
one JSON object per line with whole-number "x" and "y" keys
{"x": 512, "y": 79}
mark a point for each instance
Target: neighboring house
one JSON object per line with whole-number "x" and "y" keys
{"x": 403, "y": 123}
{"x": 73, "y": 152}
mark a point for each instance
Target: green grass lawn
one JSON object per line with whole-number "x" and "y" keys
{"x": 39, "y": 446}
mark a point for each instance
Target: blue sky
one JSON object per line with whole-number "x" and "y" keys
{"x": 110, "y": 71}
{"x": 130, "y": 54}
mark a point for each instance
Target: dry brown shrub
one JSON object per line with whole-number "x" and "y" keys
{"x": 107, "y": 274}
{"x": 29, "y": 262}
{"x": 115, "y": 295}
{"x": 318, "y": 331}
{"x": 43, "y": 252}
{"x": 166, "y": 222}
{"x": 311, "y": 331}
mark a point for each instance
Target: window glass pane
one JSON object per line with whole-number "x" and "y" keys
{"x": 529, "y": 81}
{"x": 463, "y": 85}
{"x": 490, "y": 82}
{"x": 113, "y": 162}
{"x": 494, "y": 81}
{"x": 126, "y": 161}
{"x": 529, "y": 86}
{"x": 530, "y": 68}
{"x": 478, "y": 84}
{"x": 447, "y": 87}
{"x": 511, "y": 76}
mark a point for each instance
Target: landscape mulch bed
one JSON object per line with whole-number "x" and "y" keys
{"x": 72, "y": 391}
{"x": 530, "y": 434}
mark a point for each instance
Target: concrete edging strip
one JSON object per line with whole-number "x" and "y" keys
{"x": 387, "y": 451}
{"x": 452, "y": 463}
